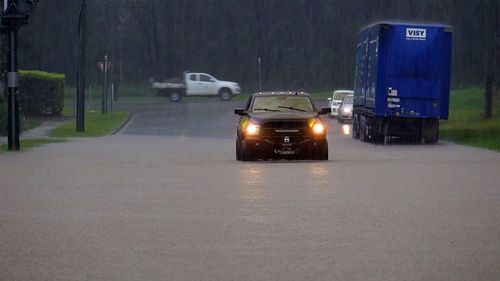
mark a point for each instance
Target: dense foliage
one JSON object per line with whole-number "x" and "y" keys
{"x": 42, "y": 93}
{"x": 302, "y": 43}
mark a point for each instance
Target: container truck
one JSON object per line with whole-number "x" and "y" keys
{"x": 402, "y": 82}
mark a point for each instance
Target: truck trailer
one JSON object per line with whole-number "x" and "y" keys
{"x": 402, "y": 82}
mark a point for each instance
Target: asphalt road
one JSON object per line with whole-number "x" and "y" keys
{"x": 164, "y": 199}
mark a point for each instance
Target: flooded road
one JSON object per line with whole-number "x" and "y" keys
{"x": 164, "y": 199}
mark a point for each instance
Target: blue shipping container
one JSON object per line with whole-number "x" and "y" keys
{"x": 402, "y": 80}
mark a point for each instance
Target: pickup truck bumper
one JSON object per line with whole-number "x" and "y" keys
{"x": 276, "y": 147}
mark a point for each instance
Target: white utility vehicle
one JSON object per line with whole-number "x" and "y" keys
{"x": 345, "y": 109}
{"x": 336, "y": 100}
{"x": 196, "y": 84}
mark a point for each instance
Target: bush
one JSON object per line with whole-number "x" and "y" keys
{"x": 3, "y": 116}
{"x": 41, "y": 93}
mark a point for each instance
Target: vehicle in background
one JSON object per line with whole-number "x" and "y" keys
{"x": 196, "y": 84}
{"x": 402, "y": 83}
{"x": 336, "y": 100}
{"x": 345, "y": 109}
{"x": 281, "y": 125}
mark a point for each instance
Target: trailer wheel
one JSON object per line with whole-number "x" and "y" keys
{"x": 225, "y": 94}
{"x": 431, "y": 131}
{"x": 362, "y": 132}
{"x": 174, "y": 97}
{"x": 355, "y": 128}
{"x": 376, "y": 133}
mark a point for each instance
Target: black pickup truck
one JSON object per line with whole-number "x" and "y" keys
{"x": 281, "y": 125}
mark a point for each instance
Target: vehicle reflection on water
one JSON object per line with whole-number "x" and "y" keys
{"x": 253, "y": 194}
{"x": 318, "y": 170}
{"x": 252, "y": 182}
{"x": 319, "y": 175}
{"x": 258, "y": 194}
{"x": 346, "y": 129}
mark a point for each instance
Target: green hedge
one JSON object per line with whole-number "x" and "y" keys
{"x": 42, "y": 93}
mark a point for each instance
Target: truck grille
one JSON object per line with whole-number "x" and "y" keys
{"x": 284, "y": 124}
{"x": 285, "y": 127}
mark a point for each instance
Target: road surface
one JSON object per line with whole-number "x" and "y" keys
{"x": 164, "y": 199}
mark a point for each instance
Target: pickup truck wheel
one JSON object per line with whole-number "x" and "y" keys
{"x": 174, "y": 97}
{"x": 225, "y": 94}
{"x": 245, "y": 152}
{"x": 238, "y": 149}
{"x": 321, "y": 151}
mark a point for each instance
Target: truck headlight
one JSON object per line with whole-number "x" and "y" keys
{"x": 347, "y": 110}
{"x": 252, "y": 129}
{"x": 318, "y": 128}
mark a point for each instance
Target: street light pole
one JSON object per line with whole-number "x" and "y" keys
{"x": 14, "y": 15}
{"x": 105, "y": 86}
{"x": 13, "y": 85}
{"x": 80, "y": 83}
{"x": 260, "y": 80}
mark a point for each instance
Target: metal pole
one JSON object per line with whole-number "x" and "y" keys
{"x": 13, "y": 84}
{"x": 260, "y": 80}
{"x": 106, "y": 52}
{"x": 91, "y": 102}
{"x": 13, "y": 18}
{"x": 121, "y": 72}
{"x": 105, "y": 86}
{"x": 112, "y": 95}
{"x": 80, "y": 110}
{"x": 488, "y": 99}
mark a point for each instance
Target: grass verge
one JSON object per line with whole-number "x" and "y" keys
{"x": 26, "y": 144}
{"x": 96, "y": 125}
{"x": 466, "y": 124}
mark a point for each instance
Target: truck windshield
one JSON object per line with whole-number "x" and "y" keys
{"x": 348, "y": 99}
{"x": 339, "y": 96}
{"x": 282, "y": 103}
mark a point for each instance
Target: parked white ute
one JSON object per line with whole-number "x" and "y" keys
{"x": 196, "y": 84}
{"x": 336, "y": 100}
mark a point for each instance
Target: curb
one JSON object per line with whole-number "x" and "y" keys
{"x": 117, "y": 130}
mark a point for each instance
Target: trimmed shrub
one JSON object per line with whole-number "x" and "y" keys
{"x": 41, "y": 93}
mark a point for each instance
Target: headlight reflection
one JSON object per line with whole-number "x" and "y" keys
{"x": 253, "y": 192}
{"x": 346, "y": 130}
{"x": 252, "y": 180}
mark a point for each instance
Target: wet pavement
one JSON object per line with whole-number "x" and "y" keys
{"x": 164, "y": 199}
